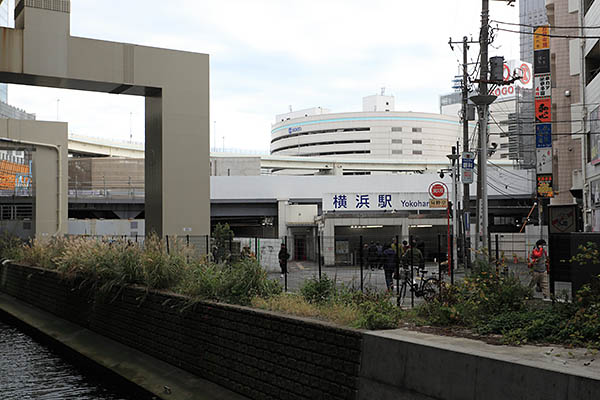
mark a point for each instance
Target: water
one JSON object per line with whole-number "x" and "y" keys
{"x": 30, "y": 370}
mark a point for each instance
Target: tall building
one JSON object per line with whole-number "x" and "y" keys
{"x": 3, "y": 22}
{"x": 584, "y": 62}
{"x": 565, "y": 93}
{"x": 531, "y": 12}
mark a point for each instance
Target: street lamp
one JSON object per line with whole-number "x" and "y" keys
{"x": 453, "y": 158}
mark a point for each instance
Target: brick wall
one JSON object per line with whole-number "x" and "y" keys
{"x": 258, "y": 354}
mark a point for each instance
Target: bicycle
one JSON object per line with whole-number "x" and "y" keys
{"x": 428, "y": 288}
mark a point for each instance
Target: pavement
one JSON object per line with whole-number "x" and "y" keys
{"x": 300, "y": 271}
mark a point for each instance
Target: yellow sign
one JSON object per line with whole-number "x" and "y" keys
{"x": 438, "y": 203}
{"x": 541, "y": 40}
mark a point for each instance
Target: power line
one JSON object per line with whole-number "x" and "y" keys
{"x": 549, "y": 34}
{"x": 551, "y": 26}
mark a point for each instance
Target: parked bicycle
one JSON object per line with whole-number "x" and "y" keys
{"x": 420, "y": 285}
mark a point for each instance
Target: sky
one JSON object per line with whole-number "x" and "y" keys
{"x": 269, "y": 55}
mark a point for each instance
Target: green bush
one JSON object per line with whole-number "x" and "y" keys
{"x": 319, "y": 291}
{"x": 380, "y": 312}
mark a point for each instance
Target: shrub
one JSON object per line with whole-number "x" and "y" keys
{"x": 238, "y": 283}
{"x": 379, "y": 313}
{"x": 319, "y": 291}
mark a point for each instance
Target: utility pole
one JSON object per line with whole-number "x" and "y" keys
{"x": 466, "y": 209}
{"x": 482, "y": 222}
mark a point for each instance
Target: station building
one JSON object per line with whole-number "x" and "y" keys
{"x": 377, "y": 132}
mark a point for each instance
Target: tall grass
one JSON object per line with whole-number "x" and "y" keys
{"x": 109, "y": 264}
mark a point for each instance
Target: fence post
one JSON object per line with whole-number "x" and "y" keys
{"x": 398, "y": 302}
{"x": 439, "y": 259}
{"x": 167, "y": 238}
{"x": 319, "y": 255}
{"x": 497, "y": 255}
{"x": 412, "y": 273}
{"x": 452, "y": 265}
{"x": 362, "y": 263}
{"x": 187, "y": 239}
{"x": 285, "y": 275}
{"x": 256, "y": 253}
{"x": 208, "y": 247}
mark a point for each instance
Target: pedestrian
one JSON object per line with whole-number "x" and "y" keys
{"x": 380, "y": 256}
{"x": 404, "y": 247}
{"x": 283, "y": 259}
{"x": 539, "y": 268}
{"x": 372, "y": 256}
{"x": 413, "y": 256}
{"x": 389, "y": 266}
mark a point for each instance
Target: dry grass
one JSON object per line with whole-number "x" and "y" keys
{"x": 294, "y": 304}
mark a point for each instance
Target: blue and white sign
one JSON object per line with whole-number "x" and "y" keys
{"x": 543, "y": 136}
{"x": 375, "y": 201}
{"x": 295, "y": 129}
{"x": 468, "y": 165}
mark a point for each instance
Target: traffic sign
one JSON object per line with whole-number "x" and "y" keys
{"x": 468, "y": 165}
{"x": 437, "y": 190}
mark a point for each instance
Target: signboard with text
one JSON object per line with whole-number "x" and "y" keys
{"x": 544, "y": 185}
{"x": 375, "y": 201}
{"x": 542, "y": 110}
{"x": 468, "y": 165}
{"x": 543, "y": 85}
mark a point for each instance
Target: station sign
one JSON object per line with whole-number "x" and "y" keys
{"x": 387, "y": 201}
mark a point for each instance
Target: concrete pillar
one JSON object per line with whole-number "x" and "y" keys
{"x": 41, "y": 52}
{"x": 328, "y": 248}
{"x": 282, "y": 230}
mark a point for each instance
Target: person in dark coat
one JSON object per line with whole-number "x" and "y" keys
{"x": 389, "y": 266}
{"x": 372, "y": 256}
{"x": 283, "y": 259}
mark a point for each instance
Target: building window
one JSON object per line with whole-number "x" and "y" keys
{"x": 396, "y": 141}
{"x": 417, "y": 129}
{"x": 396, "y": 129}
{"x": 396, "y": 151}
{"x": 417, "y": 141}
{"x": 417, "y": 152}
{"x": 592, "y": 63}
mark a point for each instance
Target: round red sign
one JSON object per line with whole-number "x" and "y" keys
{"x": 437, "y": 190}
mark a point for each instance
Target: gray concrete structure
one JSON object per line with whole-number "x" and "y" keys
{"x": 40, "y": 51}
{"x": 48, "y": 143}
{"x": 400, "y": 364}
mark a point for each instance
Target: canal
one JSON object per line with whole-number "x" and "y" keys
{"x": 32, "y": 370}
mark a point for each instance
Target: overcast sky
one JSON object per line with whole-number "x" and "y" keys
{"x": 266, "y": 55}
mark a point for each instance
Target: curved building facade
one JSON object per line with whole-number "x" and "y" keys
{"x": 381, "y": 134}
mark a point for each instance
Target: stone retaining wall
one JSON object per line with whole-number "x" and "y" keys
{"x": 258, "y": 354}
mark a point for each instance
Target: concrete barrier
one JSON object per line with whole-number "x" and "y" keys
{"x": 416, "y": 366}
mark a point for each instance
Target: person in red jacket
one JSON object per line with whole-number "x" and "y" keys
{"x": 539, "y": 268}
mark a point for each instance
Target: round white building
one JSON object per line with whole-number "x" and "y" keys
{"x": 376, "y": 132}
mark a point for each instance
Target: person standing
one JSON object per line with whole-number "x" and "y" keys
{"x": 413, "y": 256}
{"x": 389, "y": 266}
{"x": 283, "y": 259}
{"x": 372, "y": 256}
{"x": 539, "y": 268}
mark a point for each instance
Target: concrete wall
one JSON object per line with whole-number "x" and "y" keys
{"x": 258, "y": 354}
{"x": 267, "y": 356}
{"x": 414, "y": 366}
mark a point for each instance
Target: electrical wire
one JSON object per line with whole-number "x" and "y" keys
{"x": 550, "y": 26}
{"x": 549, "y": 34}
